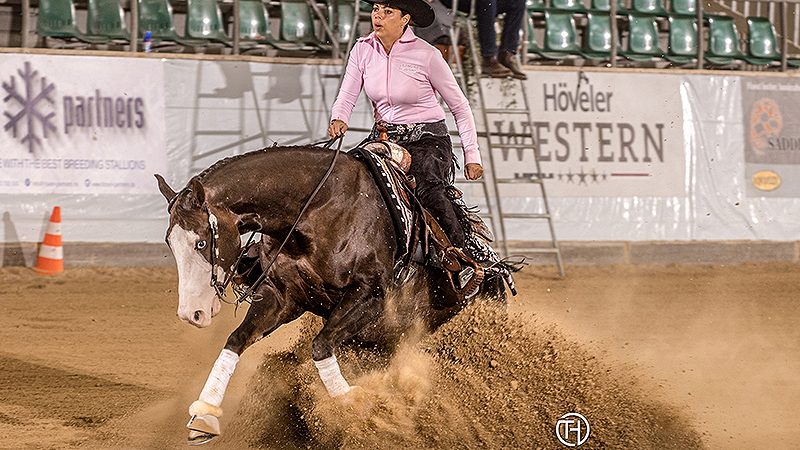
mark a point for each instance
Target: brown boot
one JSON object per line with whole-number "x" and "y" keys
{"x": 491, "y": 67}
{"x": 509, "y": 60}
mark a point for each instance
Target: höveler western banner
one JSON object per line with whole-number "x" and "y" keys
{"x": 69, "y": 128}
{"x": 596, "y": 134}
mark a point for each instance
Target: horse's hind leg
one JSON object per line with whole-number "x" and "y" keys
{"x": 262, "y": 318}
{"x": 350, "y": 317}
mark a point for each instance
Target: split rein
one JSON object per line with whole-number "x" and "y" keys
{"x": 249, "y": 294}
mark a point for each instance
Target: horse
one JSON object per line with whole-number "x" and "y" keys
{"x": 337, "y": 261}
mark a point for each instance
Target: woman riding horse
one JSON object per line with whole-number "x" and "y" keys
{"x": 401, "y": 75}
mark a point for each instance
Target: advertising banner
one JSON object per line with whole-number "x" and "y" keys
{"x": 771, "y": 110}
{"x": 597, "y": 134}
{"x": 70, "y": 128}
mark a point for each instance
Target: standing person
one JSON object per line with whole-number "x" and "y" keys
{"x": 496, "y": 63}
{"x": 401, "y": 74}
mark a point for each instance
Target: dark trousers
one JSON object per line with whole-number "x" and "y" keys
{"x": 486, "y": 12}
{"x": 432, "y": 166}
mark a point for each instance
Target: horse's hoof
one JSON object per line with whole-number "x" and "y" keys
{"x": 199, "y": 438}
{"x": 202, "y": 429}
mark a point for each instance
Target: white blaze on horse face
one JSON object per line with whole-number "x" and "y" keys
{"x": 197, "y": 300}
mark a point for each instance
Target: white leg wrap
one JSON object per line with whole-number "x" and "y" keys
{"x": 217, "y": 382}
{"x": 332, "y": 377}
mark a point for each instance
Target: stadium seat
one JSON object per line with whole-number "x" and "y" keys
{"x": 106, "y": 18}
{"x": 682, "y": 47}
{"x": 723, "y": 41}
{"x": 204, "y": 22}
{"x": 345, "y": 13}
{"x": 561, "y": 36}
{"x": 605, "y": 6}
{"x": 642, "y": 39}
{"x": 155, "y": 16}
{"x": 597, "y": 37}
{"x": 762, "y": 43}
{"x": 651, "y": 7}
{"x": 254, "y": 31}
{"x": 57, "y": 20}
{"x": 683, "y": 8}
{"x": 297, "y": 26}
{"x": 567, "y": 5}
{"x": 535, "y": 6}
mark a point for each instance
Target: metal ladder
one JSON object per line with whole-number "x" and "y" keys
{"x": 535, "y": 179}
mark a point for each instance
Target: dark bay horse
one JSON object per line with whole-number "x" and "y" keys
{"x": 338, "y": 263}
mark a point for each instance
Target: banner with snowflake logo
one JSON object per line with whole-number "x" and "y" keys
{"x": 69, "y": 128}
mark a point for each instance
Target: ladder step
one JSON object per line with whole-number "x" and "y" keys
{"x": 526, "y": 216}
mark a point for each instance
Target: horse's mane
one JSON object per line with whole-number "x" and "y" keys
{"x": 225, "y": 161}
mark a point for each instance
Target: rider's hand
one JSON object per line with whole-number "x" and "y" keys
{"x": 337, "y": 128}
{"x": 473, "y": 171}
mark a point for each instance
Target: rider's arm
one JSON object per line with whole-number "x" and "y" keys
{"x": 351, "y": 86}
{"x": 443, "y": 81}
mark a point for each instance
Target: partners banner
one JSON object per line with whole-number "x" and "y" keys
{"x": 771, "y": 110}
{"x": 597, "y": 134}
{"x": 70, "y": 127}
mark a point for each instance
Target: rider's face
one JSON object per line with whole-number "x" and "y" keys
{"x": 388, "y": 22}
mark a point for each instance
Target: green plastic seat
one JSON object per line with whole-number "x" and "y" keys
{"x": 254, "y": 31}
{"x": 642, "y": 39}
{"x": 723, "y": 41}
{"x": 204, "y": 21}
{"x": 561, "y": 35}
{"x": 106, "y": 18}
{"x": 567, "y": 5}
{"x": 57, "y": 20}
{"x": 346, "y": 16}
{"x": 535, "y": 6}
{"x": 605, "y": 6}
{"x": 597, "y": 37}
{"x": 683, "y": 7}
{"x": 297, "y": 27}
{"x": 652, "y": 7}
{"x": 682, "y": 48}
{"x": 762, "y": 43}
{"x": 155, "y": 16}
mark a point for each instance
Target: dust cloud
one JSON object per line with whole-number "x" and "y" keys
{"x": 483, "y": 380}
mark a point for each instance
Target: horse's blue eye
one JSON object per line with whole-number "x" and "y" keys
{"x": 200, "y": 245}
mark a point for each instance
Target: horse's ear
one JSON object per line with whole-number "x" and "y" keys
{"x": 198, "y": 193}
{"x": 166, "y": 191}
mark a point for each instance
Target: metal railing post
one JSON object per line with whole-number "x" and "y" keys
{"x": 784, "y": 39}
{"x": 701, "y": 42}
{"x": 612, "y": 16}
{"x": 26, "y": 23}
{"x": 236, "y": 26}
{"x": 134, "y": 25}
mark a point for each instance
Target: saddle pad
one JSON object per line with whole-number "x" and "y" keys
{"x": 393, "y": 191}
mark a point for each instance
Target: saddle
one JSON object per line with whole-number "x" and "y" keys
{"x": 422, "y": 230}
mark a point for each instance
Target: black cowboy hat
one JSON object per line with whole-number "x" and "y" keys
{"x": 420, "y": 10}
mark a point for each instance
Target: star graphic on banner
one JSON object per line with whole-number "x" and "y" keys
{"x": 560, "y": 176}
{"x": 582, "y": 177}
{"x": 594, "y": 176}
{"x": 570, "y": 176}
{"x": 605, "y": 176}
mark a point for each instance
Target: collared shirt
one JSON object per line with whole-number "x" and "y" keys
{"x": 402, "y": 87}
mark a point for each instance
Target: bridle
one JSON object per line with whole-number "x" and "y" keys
{"x": 248, "y": 295}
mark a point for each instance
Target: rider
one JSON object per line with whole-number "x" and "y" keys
{"x": 401, "y": 75}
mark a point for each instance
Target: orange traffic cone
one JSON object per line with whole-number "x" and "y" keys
{"x": 51, "y": 255}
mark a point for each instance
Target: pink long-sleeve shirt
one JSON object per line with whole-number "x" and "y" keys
{"x": 402, "y": 86}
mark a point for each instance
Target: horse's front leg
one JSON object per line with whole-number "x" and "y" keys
{"x": 263, "y": 317}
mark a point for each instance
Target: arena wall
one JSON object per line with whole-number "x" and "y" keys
{"x": 641, "y": 165}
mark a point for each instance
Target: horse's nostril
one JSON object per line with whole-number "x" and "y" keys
{"x": 197, "y": 315}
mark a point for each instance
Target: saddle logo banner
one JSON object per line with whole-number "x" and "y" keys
{"x": 69, "y": 128}
{"x": 771, "y": 110}
{"x": 596, "y": 134}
